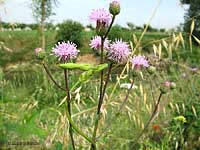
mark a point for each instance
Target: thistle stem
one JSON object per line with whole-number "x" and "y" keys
{"x": 102, "y": 89}
{"x": 93, "y": 145}
{"x": 69, "y": 107}
{"x": 76, "y": 128}
{"x": 109, "y": 28}
{"x": 51, "y": 77}
{"x": 106, "y": 81}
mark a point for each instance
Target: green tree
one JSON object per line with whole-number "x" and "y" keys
{"x": 70, "y": 30}
{"x": 131, "y": 26}
{"x": 1, "y": 3}
{"x": 193, "y": 12}
{"x": 42, "y": 10}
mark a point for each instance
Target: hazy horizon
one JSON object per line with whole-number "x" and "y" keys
{"x": 169, "y": 15}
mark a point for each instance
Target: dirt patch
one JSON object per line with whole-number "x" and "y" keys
{"x": 88, "y": 59}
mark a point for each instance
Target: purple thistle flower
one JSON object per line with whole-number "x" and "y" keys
{"x": 95, "y": 43}
{"x": 119, "y": 51}
{"x": 139, "y": 61}
{"x": 65, "y": 51}
{"x": 100, "y": 15}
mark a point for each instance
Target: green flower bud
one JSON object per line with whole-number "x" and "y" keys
{"x": 151, "y": 69}
{"x": 165, "y": 87}
{"x": 173, "y": 85}
{"x": 114, "y": 8}
{"x": 40, "y": 53}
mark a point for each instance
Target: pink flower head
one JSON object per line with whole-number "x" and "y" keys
{"x": 167, "y": 83}
{"x": 100, "y": 15}
{"x": 139, "y": 61}
{"x": 95, "y": 43}
{"x": 37, "y": 50}
{"x": 119, "y": 51}
{"x": 65, "y": 51}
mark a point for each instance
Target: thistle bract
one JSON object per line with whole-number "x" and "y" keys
{"x": 114, "y": 8}
{"x": 40, "y": 53}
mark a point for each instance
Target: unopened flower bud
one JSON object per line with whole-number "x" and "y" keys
{"x": 165, "y": 87}
{"x": 167, "y": 83}
{"x": 151, "y": 69}
{"x": 173, "y": 85}
{"x": 114, "y": 8}
{"x": 40, "y": 53}
{"x": 101, "y": 28}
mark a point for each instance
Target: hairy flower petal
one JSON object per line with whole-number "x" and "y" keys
{"x": 100, "y": 15}
{"x": 119, "y": 52}
{"x": 95, "y": 43}
{"x": 139, "y": 62}
{"x": 65, "y": 51}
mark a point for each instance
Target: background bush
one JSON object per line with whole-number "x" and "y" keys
{"x": 70, "y": 30}
{"x": 117, "y": 32}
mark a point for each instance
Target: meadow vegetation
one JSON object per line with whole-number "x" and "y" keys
{"x": 32, "y": 109}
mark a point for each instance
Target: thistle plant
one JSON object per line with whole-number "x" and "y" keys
{"x": 112, "y": 53}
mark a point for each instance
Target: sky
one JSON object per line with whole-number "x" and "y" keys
{"x": 169, "y": 14}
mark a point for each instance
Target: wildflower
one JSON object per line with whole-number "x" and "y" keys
{"x": 156, "y": 127}
{"x": 95, "y": 43}
{"x": 114, "y": 8}
{"x": 181, "y": 118}
{"x": 167, "y": 83}
{"x": 37, "y": 50}
{"x": 65, "y": 51}
{"x": 100, "y": 15}
{"x": 194, "y": 69}
{"x": 40, "y": 53}
{"x": 139, "y": 61}
{"x": 166, "y": 86}
{"x": 118, "y": 52}
{"x": 102, "y": 19}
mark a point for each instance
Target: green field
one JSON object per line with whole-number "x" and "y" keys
{"x": 30, "y": 107}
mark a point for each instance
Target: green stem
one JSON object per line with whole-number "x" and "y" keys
{"x": 76, "y": 128}
{"x": 106, "y": 82}
{"x": 109, "y": 28}
{"x": 51, "y": 77}
{"x": 68, "y": 107}
{"x": 93, "y": 145}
